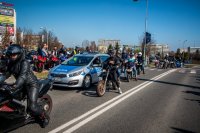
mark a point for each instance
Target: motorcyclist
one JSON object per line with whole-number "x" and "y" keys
{"x": 140, "y": 60}
{"x": 119, "y": 63}
{"x": 25, "y": 80}
{"x": 113, "y": 62}
{"x": 166, "y": 60}
{"x": 132, "y": 62}
{"x": 125, "y": 59}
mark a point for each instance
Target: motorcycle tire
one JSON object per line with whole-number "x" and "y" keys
{"x": 47, "y": 103}
{"x": 128, "y": 77}
{"x": 101, "y": 89}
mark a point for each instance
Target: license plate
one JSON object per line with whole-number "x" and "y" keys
{"x": 57, "y": 79}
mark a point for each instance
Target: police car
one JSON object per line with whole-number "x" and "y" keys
{"x": 78, "y": 71}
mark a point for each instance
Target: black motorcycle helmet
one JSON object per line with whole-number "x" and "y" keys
{"x": 14, "y": 49}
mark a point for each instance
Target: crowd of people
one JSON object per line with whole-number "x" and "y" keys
{"x": 14, "y": 62}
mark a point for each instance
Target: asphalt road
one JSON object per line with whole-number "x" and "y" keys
{"x": 161, "y": 101}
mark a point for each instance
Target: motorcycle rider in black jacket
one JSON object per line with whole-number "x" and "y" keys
{"x": 114, "y": 62}
{"x": 25, "y": 79}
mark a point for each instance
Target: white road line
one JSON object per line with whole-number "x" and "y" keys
{"x": 152, "y": 69}
{"x": 192, "y": 71}
{"x": 182, "y": 71}
{"x": 115, "y": 100}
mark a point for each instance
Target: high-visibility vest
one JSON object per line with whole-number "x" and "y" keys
{"x": 75, "y": 52}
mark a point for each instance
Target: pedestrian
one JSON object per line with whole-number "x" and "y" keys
{"x": 62, "y": 50}
{"x": 55, "y": 51}
{"x": 76, "y": 51}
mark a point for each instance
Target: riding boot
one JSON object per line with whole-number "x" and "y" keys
{"x": 119, "y": 90}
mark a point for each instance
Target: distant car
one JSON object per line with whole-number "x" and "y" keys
{"x": 78, "y": 71}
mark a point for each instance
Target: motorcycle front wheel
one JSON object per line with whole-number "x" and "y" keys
{"x": 101, "y": 89}
{"x": 46, "y": 103}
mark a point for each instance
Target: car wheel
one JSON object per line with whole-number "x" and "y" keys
{"x": 87, "y": 82}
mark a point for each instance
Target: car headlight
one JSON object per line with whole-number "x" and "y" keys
{"x": 76, "y": 73}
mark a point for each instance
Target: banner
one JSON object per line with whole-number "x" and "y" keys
{"x": 6, "y": 11}
{"x": 6, "y": 19}
{"x": 9, "y": 29}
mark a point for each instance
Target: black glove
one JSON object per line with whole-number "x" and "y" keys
{"x": 10, "y": 89}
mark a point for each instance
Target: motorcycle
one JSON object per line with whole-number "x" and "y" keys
{"x": 105, "y": 82}
{"x": 129, "y": 73}
{"x": 13, "y": 108}
{"x": 163, "y": 64}
{"x": 62, "y": 58}
{"x": 172, "y": 64}
{"x": 53, "y": 61}
{"x": 139, "y": 67}
{"x": 39, "y": 63}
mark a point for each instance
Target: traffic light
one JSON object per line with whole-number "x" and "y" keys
{"x": 148, "y": 37}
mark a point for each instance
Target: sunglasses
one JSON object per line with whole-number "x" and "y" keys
{"x": 13, "y": 54}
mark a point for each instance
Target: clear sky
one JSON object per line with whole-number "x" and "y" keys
{"x": 169, "y": 21}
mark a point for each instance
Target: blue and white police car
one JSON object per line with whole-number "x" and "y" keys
{"x": 81, "y": 70}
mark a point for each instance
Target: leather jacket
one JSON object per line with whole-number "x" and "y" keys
{"x": 22, "y": 72}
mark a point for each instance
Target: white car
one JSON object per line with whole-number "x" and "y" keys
{"x": 78, "y": 71}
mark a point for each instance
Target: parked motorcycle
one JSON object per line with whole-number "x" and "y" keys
{"x": 62, "y": 58}
{"x": 53, "y": 61}
{"x": 105, "y": 82}
{"x": 13, "y": 108}
{"x": 39, "y": 63}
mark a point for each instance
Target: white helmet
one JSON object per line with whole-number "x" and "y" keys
{"x": 140, "y": 53}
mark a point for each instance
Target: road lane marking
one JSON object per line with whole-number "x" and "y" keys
{"x": 105, "y": 106}
{"x": 182, "y": 71}
{"x": 192, "y": 71}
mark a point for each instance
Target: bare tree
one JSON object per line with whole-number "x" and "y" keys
{"x": 93, "y": 46}
{"x": 6, "y": 38}
{"x": 19, "y": 36}
{"x": 85, "y": 43}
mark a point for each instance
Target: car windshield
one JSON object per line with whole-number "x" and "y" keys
{"x": 78, "y": 61}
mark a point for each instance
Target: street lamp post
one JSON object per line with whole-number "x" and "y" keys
{"x": 47, "y": 33}
{"x": 145, "y": 36}
{"x": 184, "y": 48}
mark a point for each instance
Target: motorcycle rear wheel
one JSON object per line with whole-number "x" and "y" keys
{"x": 101, "y": 89}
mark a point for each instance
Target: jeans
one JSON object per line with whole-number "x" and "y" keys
{"x": 134, "y": 71}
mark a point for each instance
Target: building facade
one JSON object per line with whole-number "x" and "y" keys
{"x": 104, "y": 44}
{"x": 193, "y": 49}
{"x": 162, "y": 49}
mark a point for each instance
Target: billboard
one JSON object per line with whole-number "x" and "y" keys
{"x": 7, "y": 19}
{"x": 6, "y": 11}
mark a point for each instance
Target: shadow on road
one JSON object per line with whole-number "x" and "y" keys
{"x": 171, "y": 83}
{"x": 179, "y": 130}
{"x": 193, "y": 93}
{"x": 193, "y": 100}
